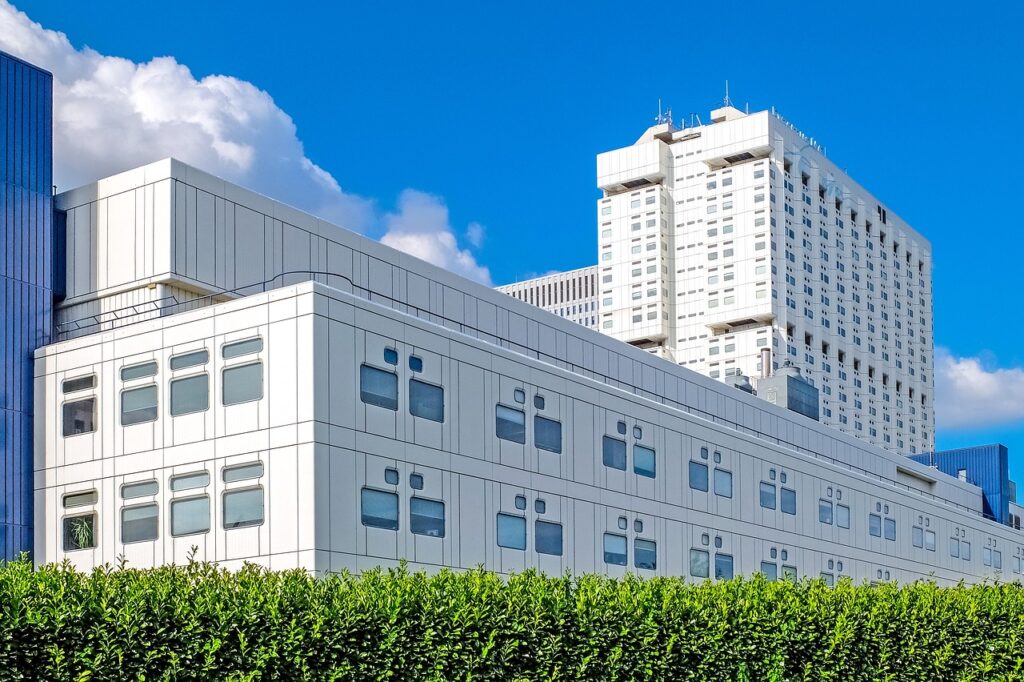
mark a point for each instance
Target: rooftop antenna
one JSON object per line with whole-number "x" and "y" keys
{"x": 664, "y": 116}
{"x": 727, "y": 102}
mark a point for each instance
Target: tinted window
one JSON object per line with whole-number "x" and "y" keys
{"x": 238, "y": 348}
{"x": 548, "y": 537}
{"x": 138, "y": 405}
{"x": 723, "y": 483}
{"x": 917, "y": 536}
{"x": 645, "y": 554}
{"x": 243, "y": 508}
{"x": 723, "y": 566}
{"x": 79, "y": 532}
{"x": 243, "y": 384}
{"x": 80, "y": 499}
{"x": 788, "y": 501}
{"x": 547, "y": 434}
{"x": 78, "y": 384}
{"x": 511, "y": 531}
{"x": 190, "y": 481}
{"x": 78, "y": 417}
{"x": 825, "y": 512}
{"x": 789, "y": 573}
{"x": 143, "y": 489}
{"x": 146, "y": 369}
{"x": 379, "y": 509}
{"x": 875, "y": 525}
{"x": 767, "y": 494}
{"x": 965, "y": 550}
{"x": 613, "y": 453}
{"x": 698, "y": 476}
{"x": 842, "y": 516}
{"x": 699, "y": 563}
{"x": 139, "y": 524}
{"x": 643, "y": 461}
{"x": 426, "y": 517}
{"x": 243, "y": 472}
{"x": 510, "y": 424}
{"x": 199, "y": 357}
{"x": 890, "y": 529}
{"x": 769, "y": 570}
{"x": 377, "y": 387}
{"x": 426, "y": 400}
{"x": 190, "y": 516}
{"x": 929, "y": 540}
{"x": 615, "y": 549}
{"x": 954, "y": 548}
{"x": 191, "y": 394}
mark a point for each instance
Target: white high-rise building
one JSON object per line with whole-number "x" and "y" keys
{"x": 720, "y": 241}
{"x": 572, "y": 294}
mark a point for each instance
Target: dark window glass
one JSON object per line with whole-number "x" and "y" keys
{"x": 426, "y": 400}
{"x": 243, "y": 384}
{"x": 78, "y": 384}
{"x": 80, "y": 499}
{"x": 788, "y": 501}
{"x": 548, "y": 537}
{"x": 415, "y": 481}
{"x": 146, "y": 369}
{"x": 547, "y": 434}
{"x": 613, "y": 453}
{"x": 199, "y": 357}
{"x": 767, "y": 494}
{"x": 415, "y": 363}
{"x": 825, "y": 512}
{"x": 379, "y": 509}
{"x": 875, "y": 525}
{"x": 789, "y": 573}
{"x": 643, "y": 461}
{"x": 139, "y": 524}
{"x": 615, "y": 549}
{"x": 723, "y": 566}
{"x": 645, "y": 554}
{"x": 78, "y": 417}
{"x": 426, "y": 517}
{"x": 191, "y": 394}
{"x": 538, "y": 402}
{"x": 698, "y": 476}
{"x": 377, "y": 387}
{"x": 79, "y": 532}
{"x": 890, "y": 529}
{"x": 138, "y": 405}
{"x": 510, "y": 424}
{"x": 239, "y": 348}
{"x": 511, "y": 531}
{"x": 391, "y": 476}
{"x": 391, "y": 356}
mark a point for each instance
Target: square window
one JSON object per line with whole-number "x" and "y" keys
{"x": 540, "y": 506}
{"x": 643, "y": 461}
{"x": 548, "y": 537}
{"x": 613, "y": 453}
{"x": 723, "y": 483}
{"x": 138, "y": 405}
{"x": 789, "y": 573}
{"x": 698, "y": 476}
{"x": 79, "y": 532}
{"x": 723, "y": 567}
{"x": 520, "y": 502}
{"x": 510, "y": 424}
{"x": 769, "y": 570}
{"x": 767, "y": 495}
{"x": 78, "y": 417}
{"x": 917, "y": 536}
{"x": 191, "y": 394}
{"x": 416, "y": 481}
{"x": 139, "y": 524}
{"x": 391, "y": 356}
{"x": 243, "y": 508}
{"x": 415, "y": 363}
{"x": 954, "y": 548}
{"x": 538, "y": 402}
{"x": 645, "y": 554}
{"x": 379, "y": 509}
{"x": 547, "y": 434}
{"x": 788, "y": 501}
{"x": 620, "y": 427}
{"x": 243, "y": 383}
{"x": 511, "y": 531}
{"x": 426, "y": 400}
{"x": 190, "y": 515}
{"x": 699, "y": 563}
{"x": 391, "y": 476}
{"x": 426, "y": 517}
{"x": 615, "y": 549}
{"x": 519, "y": 395}
{"x": 376, "y": 387}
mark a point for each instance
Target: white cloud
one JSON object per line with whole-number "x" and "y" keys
{"x": 112, "y": 114}
{"x": 420, "y": 227}
{"x": 970, "y": 395}
{"x": 475, "y": 233}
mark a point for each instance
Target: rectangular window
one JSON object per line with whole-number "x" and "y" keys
{"x": 78, "y": 417}
{"x": 78, "y": 384}
{"x": 929, "y": 540}
{"x": 645, "y": 554}
{"x": 190, "y": 481}
{"x": 144, "y": 489}
{"x": 829, "y": 579}
{"x": 699, "y": 563}
{"x": 138, "y": 405}
{"x": 875, "y": 525}
{"x": 842, "y": 516}
{"x": 788, "y": 501}
{"x": 917, "y": 536}
{"x": 825, "y": 512}
{"x": 243, "y": 384}
{"x": 767, "y": 494}
{"x": 511, "y": 531}
{"x": 426, "y": 517}
{"x": 79, "y": 532}
{"x": 643, "y": 461}
{"x": 377, "y": 387}
{"x": 986, "y": 556}
{"x": 510, "y": 424}
{"x": 547, "y": 434}
{"x": 243, "y": 508}
{"x": 239, "y": 348}
{"x": 193, "y": 359}
{"x": 615, "y": 549}
{"x": 723, "y": 483}
{"x": 139, "y": 524}
{"x": 379, "y": 509}
{"x": 965, "y": 550}
{"x": 698, "y": 476}
{"x": 723, "y": 567}
{"x": 954, "y": 548}
{"x": 243, "y": 472}
{"x": 997, "y": 559}
{"x": 146, "y": 369}
{"x": 769, "y": 570}
{"x": 426, "y": 400}
{"x": 190, "y": 515}
{"x": 191, "y": 394}
{"x": 81, "y": 499}
{"x": 613, "y": 453}
{"x": 548, "y": 537}
{"x": 789, "y": 573}
{"x": 890, "y": 529}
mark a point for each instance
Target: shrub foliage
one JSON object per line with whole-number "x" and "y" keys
{"x": 201, "y": 622}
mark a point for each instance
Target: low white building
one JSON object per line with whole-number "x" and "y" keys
{"x": 571, "y": 294}
{"x": 208, "y": 395}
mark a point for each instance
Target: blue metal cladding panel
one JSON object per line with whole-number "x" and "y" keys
{"x": 26, "y": 299}
{"x": 987, "y": 467}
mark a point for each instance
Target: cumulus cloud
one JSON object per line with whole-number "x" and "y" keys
{"x": 420, "y": 226}
{"x": 970, "y": 395}
{"x": 475, "y": 233}
{"x": 112, "y": 114}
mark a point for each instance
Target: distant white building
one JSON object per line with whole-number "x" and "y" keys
{"x": 571, "y": 294}
{"x": 237, "y": 376}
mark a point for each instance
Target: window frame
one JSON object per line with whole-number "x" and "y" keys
{"x": 383, "y": 402}
{"x": 242, "y": 365}
{"x": 536, "y": 536}
{"x": 136, "y": 389}
{"x": 413, "y": 381}
{"x": 413, "y": 500}
{"x": 156, "y": 536}
{"x": 95, "y": 415}
{"x": 170, "y": 393}
{"x": 391, "y": 495}
{"x": 604, "y": 548}
{"x": 706, "y": 477}
{"x": 190, "y": 498}
{"x": 537, "y": 418}
{"x": 497, "y": 434}
{"x": 239, "y": 491}
{"x": 610, "y": 460}
{"x": 511, "y": 518}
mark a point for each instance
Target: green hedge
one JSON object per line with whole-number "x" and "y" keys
{"x": 199, "y": 622}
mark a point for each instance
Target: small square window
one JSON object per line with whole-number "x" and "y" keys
{"x": 391, "y": 356}
{"x": 416, "y": 481}
{"x": 769, "y": 570}
{"x": 622, "y": 523}
{"x": 638, "y": 433}
{"x": 415, "y": 363}
{"x": 538, "y": 402}
{"x": 540, "y": 506}
{"x": 519, "y": 395}
{"x": 391, "y": 476}
{"x": 621, "y": 428}
{"x": 426, "y": 400}
{"x": 723, "y": 567}
{"x": 547, "y": 434}
{"x": 520, "y": 502}
{"x": 426, "y": 517}
{"x": 638, "y": 526}
{"x": 377, "y": 387}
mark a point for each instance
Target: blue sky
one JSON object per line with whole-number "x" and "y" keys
{"x": 491, "y": 116}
